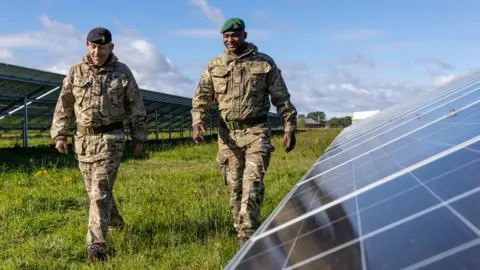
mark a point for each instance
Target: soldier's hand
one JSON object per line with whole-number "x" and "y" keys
{"x": 289, "y": 141}
{"x": 137, "y": 148}
{"x": 198, "y": 131}
{"x": 62, "y": 146}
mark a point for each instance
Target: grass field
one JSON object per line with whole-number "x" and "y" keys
{"x": 172, "y": 198}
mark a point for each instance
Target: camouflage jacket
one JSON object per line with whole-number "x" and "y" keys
{"x": 241, "y": 87}
{"x": 99, "y": 97}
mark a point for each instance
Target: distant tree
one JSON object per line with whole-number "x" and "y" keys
{"x": 346, "y": 121}
{"x": 333, "y": 122}
{"x": 318, "y": 117}
{"x": 301, "y": 116}
{"x": 339, "y": 122}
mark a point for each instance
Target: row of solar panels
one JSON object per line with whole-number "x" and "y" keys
{"x": 39, "y": 90}
{"x": 399, "y": 190}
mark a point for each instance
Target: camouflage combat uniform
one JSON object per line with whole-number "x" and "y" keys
{"x": 241, "y": 86}
{"x": 99, "y": 97}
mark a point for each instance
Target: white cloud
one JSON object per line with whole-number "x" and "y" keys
{"x": 339, "y": 91}
{"x": 438, "y": 69}
{"x": 60, "y": 45}
{"x": 54, "y": 38}
{"x": 6, "y": 55}
{"x": 444, "y": 78}
{"x": 213, "y": 13}
{"x": 215, "y": 16}
{"x": 436, "y": 62}
{"x": 357, "y": 60}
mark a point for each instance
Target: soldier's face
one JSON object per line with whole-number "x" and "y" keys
{"x": 234, "y": 41}
{"x": 99, "y": 53}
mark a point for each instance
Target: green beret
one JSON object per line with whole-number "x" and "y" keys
{"x": 233, "y": 24}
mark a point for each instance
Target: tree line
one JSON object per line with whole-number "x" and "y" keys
{"x": 320, "y": 117}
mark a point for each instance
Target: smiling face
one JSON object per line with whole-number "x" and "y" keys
{"x": 99, "y": 53}
{"x": 234, "y": 41}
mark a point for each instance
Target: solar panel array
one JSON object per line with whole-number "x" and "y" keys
{"x": 399, "y": 190}
{"x": 40, "y": 89}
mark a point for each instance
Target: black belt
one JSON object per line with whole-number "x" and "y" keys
{"x": 243, "y": 124}
{"x": 99, "y": 130}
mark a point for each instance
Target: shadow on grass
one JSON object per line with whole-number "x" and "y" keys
{"x": 152, "y": 146}
{"x": 32, "y": 158}
{"x": 46, "y": 156}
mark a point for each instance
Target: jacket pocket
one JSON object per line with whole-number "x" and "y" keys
{"x": 259, "y": 77}
{"x": 222, "y": 161}
{"x": 220, "y": 77}
{"x": 80, "y": 88}
{"x": 80, "y": 145}
{"x": 116, "y": 95}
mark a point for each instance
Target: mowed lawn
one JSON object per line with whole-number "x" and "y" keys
{"x": 173, "y": 199}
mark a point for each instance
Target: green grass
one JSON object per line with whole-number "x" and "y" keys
{"x": 173, "y": 200}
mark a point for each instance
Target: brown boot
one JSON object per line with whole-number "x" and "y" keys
{"x": 96, "y": 252}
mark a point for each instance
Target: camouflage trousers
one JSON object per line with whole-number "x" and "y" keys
{"x": 99, "y": 180}
{"x": 244, "y": 157}
{"x": 99, "y": 158}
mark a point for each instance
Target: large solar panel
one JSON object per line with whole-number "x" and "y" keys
{"x": 399, "y": 190}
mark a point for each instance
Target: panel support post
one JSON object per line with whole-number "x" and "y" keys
{"x": 25, "y": 122}
{"x": 156, "y": 125}
{"x": 182, "y": 127}
{"x": 170, "y": 124}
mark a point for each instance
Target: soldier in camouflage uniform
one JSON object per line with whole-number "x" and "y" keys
{"x": 99, "y": 91}
{"x": 240, "y": 82}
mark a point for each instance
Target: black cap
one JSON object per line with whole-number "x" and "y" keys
{"x": 99, "y": 35}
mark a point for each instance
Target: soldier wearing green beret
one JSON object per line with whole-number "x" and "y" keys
{"x": 99, "y": 91}
{"x": 241, "y": 82}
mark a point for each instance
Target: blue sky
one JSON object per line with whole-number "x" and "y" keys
{"x": 376, "y": 53}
